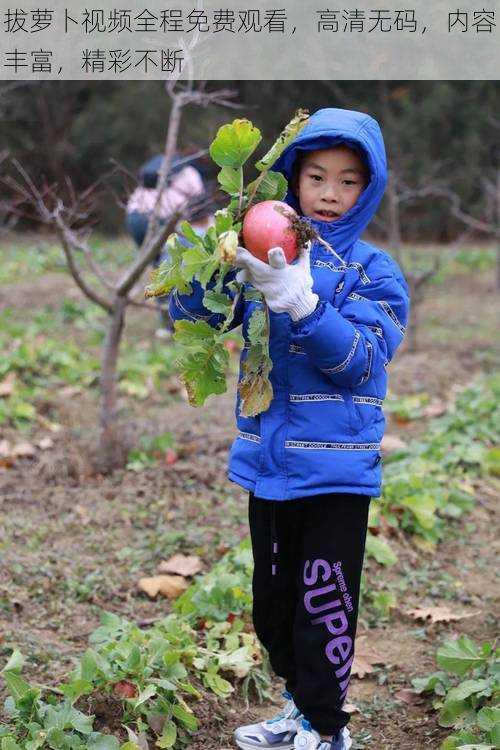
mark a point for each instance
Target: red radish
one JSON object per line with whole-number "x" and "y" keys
{"x": 269, "y": 224}
{"x": 125, "y": 689}
{"x": 171, "y": 456}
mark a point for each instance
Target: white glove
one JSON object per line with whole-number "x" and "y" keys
{"x": 287, "y": 287}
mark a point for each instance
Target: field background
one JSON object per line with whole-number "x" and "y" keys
{"x": 74, "y": 544}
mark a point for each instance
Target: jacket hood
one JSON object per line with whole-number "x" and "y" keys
{"x": 331, "y": 127}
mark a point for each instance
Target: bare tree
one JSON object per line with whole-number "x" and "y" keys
{"x": 71, "y": 224}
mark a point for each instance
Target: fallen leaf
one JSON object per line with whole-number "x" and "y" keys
{"x": 438, "y": 614}
{"x": 392, "y": 443}
{"x": 169, "y": 586}
{"x": 183, "y": 565}
{"x": 351, "y": 708}
{"x": 26, "y": 450}
{"x": 187, "y": 449}
{"x": 436, "y": 409}
{"x": 51, "y": 426}
{"x": 5, "y": 449}
{"x": 82, "y": 513}
{"x": 45, "y": 444}
{"x": 364, "y": 659}
{"x": 70, "y": 390}
{"x": 8, "y": 384}
{"x": 408, "y": 696}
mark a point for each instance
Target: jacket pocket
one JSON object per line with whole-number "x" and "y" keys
{"x": 355, "y": 419}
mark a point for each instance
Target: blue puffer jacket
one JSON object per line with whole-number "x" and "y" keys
{"x": 322, "y": 431}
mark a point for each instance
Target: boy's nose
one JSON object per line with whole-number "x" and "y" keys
{"x": 330, "y": 193}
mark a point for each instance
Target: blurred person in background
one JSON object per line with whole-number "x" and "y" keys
{"x": 185, "y": 183}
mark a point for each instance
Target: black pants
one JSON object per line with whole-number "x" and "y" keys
{"x": 308, "y": 556}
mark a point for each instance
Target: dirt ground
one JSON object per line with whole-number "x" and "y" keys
{"x": 72, "y": 543}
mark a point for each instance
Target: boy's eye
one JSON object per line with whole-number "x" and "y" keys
{"x": 316, "y": 177}
{"x": 350, "y": 182}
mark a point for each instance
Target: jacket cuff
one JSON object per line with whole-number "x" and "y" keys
{"x": 303, "y": 325}
{"x": 329, "y": 339}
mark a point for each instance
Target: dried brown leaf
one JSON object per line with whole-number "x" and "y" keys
{"x": 5, "y": 449}
{"x": 8, "y": 385}
{"x": 408, "y": 696}
{"x": 438, "y": 614}
{"x": 45, "y": 444}
{"x": 25, "y": 450}
{"x": 364, "y": 659}
{"x": 183, "y": 565}
{"x": 169, "y": 586}
{"x": 392, "y": 443}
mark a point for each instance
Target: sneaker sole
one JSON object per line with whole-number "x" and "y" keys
{"x": 252, "y": 746}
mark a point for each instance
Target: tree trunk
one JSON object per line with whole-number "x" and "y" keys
{"x": 414, "y": 317}
{"x": 498, "y": 229}
{"x": 112, "y": 448}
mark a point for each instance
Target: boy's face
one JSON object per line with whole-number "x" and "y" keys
{"x": 330, "y": 182}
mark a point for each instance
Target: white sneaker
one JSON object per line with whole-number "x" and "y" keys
{"x": 308, "y": 739}
{"x": 274, "y": 734}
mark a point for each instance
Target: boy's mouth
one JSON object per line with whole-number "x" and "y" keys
{"x": 324, "y": 214}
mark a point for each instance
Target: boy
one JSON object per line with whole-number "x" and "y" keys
{"x": 337, "y": 315}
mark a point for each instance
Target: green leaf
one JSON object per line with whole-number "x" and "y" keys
{"x": 487, "y": 717}
{"x": 453, "y": 711}
{"x": 223, "y": 221}
{"x": 203, "y": 360}
{"x": 492, "y": 461}
{"x": 16, "y": 685}
{"x": 189, "y": 233}
{"x": 9, "y": 744}
{"x": 230, "y": 180}
{"x": 168, "y": 736}
{"x": 217, "y": 303}
{"x": 218, "y": 684}
{"x": 378, "y": 548}
{"x": 88, "y": 665}
{"x": 234, "y": 143}
{"x": 431, "y": 682}
{"x": 455, "y": 741}
{"x": 270, "y": 186}
{"x": 169, "y": 274}
{"x": 134, "y": 659}
{"x": 255, "y": 388}
{"x": 145, "y": 695}
{"x": 459, "y": 656}
{"x": 423, "y": 508}
{"x": 467, "y": 688}
{"x": 384, "y": 601}
{"x": 102, "y": 742}
{"x": 286, "y": 136}
{"x": 15, "y": 663}
{"x": 185, "y": 717}
{"x": 76, "y": 688}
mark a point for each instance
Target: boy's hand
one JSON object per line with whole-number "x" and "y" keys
{"x": 287, "y": 287}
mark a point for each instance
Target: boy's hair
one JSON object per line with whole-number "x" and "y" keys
{"x": 301, "y": 157}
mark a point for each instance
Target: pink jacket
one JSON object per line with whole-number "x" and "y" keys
{"x": 184, "y": 185}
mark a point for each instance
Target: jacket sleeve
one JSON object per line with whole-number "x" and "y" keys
{"x": 354, "y": 342}
{"x": 191, "y": 307}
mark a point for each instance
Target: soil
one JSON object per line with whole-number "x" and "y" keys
{"x": 74, "y": 543}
